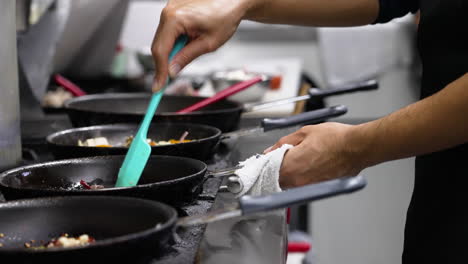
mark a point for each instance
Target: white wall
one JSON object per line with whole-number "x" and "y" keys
{"x": 366, "y": 227}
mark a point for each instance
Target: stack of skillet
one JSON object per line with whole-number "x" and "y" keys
{"x": 134, "y": 221}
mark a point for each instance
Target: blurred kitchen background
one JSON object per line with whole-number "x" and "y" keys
{"x": 105, "y": 46}
{"x": 364, "y": 228}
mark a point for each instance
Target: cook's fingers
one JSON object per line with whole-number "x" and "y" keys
{"x": 163, "y": 42}
{"x": 194, "y": 49}
{"x": 291, "y": 139}
{"x": 160, "y": 57}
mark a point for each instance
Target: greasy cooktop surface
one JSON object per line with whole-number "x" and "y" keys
{"x": 257, "y": 239}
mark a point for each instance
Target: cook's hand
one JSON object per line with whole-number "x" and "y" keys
{"x": 321, "y": 152}
{"x": 208, "y": 23}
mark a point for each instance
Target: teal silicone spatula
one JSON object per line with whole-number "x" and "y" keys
{"x": 140, "y": 151}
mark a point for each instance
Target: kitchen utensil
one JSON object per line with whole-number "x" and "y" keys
{"x": 143, "y": 226}
{"x": 238, "y": 87}
{"x": 221, "y": 79}
{"x": 169, "y": 179}
{"x": 140, "y": 150}
{"x": 128, "y": 108}
{"x": 172, "y": 180}
{"x": 205, "y": 139}
{"x": 315, "y": 93}
{"x": 74, "y": 89}
{"x": 125, "y": 229}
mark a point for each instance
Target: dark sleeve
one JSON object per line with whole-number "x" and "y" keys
{"x": 390, "y": 9}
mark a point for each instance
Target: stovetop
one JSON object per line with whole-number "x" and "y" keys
{"x": 258, "y": 239}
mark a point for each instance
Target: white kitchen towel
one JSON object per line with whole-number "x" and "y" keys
{"x": 260, "y": 173}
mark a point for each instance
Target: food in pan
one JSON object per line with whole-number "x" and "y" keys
{"x": 91, "y": 186}
{"x": 94, "y": 142}
{"x": 153, "y": 143}
{"x": 103, "y": 142}
{"x": 95, "y": 184}
{"x": 64, "y": 241}
{"x": 55, "y": 99}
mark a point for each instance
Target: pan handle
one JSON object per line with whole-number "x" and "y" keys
{"x": 250, "y": 205}
{"x": 313, "y": 93}
{"x": 351, "y": 88}
{"x": 252, "y": 107}
{"x": 300, "y": 195}
{"x": 304, "y": 118}
{"x": 223, "y": 172}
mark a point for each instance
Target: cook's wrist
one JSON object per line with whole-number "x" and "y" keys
{"x": 252, "y": 9}
{"x": 360, "y": 145}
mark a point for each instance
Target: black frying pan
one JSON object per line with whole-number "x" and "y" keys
{"x": 63, "y": 144}
{"x": 101, "y": 109}
{"x": 173, "y": 180}
{"x": 126, "y": 227}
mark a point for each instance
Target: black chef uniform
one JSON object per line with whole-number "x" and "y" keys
{"x": 437, "y": 220}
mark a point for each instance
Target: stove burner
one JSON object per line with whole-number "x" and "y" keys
{"x": 188, "y": 244}
{"x": 185, "y": 243}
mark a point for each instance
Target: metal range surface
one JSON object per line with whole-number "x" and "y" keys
{"x": 260, "y": 238}
{"x": 195, "y": 244}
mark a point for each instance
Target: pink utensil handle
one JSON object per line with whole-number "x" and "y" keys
{"x": 295, "y": 247}
{"x": 68, "y": 85}
{"x": 221, "y": 95}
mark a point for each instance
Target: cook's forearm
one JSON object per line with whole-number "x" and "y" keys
{"x": 432, "y": 124}
{"x": 313, "y": 12}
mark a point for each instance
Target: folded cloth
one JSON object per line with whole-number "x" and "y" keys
{"x": 259, "y": 174}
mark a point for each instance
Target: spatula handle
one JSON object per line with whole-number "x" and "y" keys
{"x": 221, "y": 95}
{"x": 156, "y": 97}
{"x": 139, "y": 152}
{"x": 68, "y": 85}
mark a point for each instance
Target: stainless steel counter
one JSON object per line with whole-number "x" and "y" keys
{"x": 256, "y": 239}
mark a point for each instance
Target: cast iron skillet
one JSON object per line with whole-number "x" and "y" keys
{"x": 63, "y": 144}
{"x": 173, "y": 180}
{"x": 124, "y": 228}
{"x": 127, "y": 227}
{"x": 114, "y": 108}
{"x": 99, "y": 109}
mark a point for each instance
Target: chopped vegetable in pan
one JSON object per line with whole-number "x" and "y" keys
{"x": 91, "y": 187}
{"x": 94, "y": 142}
{"x": 103, "y": 142}
{"x": 64, "y": 241}
{"x": 129, "y": 140}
